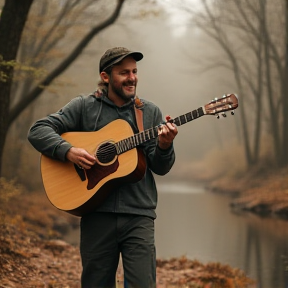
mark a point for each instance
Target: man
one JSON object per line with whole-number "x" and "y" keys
{"x": 124, "y": 222}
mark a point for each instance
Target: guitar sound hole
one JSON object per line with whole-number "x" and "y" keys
{"x": 106, "y": 153}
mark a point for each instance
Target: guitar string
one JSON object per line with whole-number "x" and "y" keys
{"x": 133, "y": 141}
{"x": 146, "y": 135}
{"x": 138, "y": 138}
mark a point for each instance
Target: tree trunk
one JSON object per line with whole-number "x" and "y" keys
{"x": 274, "y": 123}
{"x": 284, "y": 96}
{"x": 12, "y": 22}
{"x": 9, "y": 115}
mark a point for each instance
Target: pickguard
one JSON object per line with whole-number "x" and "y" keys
{"x": 98, "y": 172}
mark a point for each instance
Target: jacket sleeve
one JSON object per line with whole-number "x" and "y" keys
{"x": 45, "y": 134}
{"x": 159, "y": 161}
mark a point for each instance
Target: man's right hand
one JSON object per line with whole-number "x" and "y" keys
{"x": 81, "y": 157}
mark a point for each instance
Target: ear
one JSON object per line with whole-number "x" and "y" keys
{"x": 104, "y": 76}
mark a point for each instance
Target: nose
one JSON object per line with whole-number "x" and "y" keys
{"x": 132, "y": 76}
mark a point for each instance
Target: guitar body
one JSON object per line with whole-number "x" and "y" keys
{"x": 78, "y": 191}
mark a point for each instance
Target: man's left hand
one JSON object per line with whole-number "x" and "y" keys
{"x": 166, "y": 134}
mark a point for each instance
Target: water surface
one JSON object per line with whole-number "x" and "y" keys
{"x": 200, "y": 225}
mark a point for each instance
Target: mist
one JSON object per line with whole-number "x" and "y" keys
{"x": 173, "y": 74}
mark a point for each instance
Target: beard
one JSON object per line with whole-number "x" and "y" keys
{"x": 125, "y": 91}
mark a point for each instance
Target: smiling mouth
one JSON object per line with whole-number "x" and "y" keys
{"x": 129, "y": 87}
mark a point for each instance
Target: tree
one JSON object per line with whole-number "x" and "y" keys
{"x": 250, "y": 35}
{"x": 12, "y": 22}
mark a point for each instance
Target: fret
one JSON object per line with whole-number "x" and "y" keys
{"x": 150, "y": 132}
{"x": 200, "y": 112}
{"x": 189, "y": 116}
{"x": 136, "y": 139}
{"x": 147, "y": 137}
{"x": 130, "y": 142}
{"x": 125, "y": 144}
{"x": 139, "y": 138}
{"x": 182, "y": 119}
{"x": 153, "y": 130}
{"x": 177, "y": 121}
{"x": 118, "y": 148}
{"x": 194, "y": 114}
{"x": 133, "y": 141}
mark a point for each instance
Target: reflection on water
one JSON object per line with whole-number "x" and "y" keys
{"x": 201, "y": 226}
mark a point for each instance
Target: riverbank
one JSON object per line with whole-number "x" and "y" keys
{"x": 33, "y": 254}
{"x": 260, "y": 191}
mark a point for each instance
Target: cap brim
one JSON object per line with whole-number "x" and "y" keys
{"x": 136, "y": 55}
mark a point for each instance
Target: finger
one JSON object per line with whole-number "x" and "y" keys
{"x": 160, "y": 130}
{"x": 84, "y": 165}
{"x": 163, "y": 130}
{"x": 90, "y": 157}
{"x": 170, "y": 126}
{"x": 87, "y": 158}
{"x": 80, "y": 165}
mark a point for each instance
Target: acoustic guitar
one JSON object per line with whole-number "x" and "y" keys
{"x": 119, "y": 160}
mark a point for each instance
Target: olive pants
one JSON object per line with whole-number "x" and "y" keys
{"x": 104, "y": 236}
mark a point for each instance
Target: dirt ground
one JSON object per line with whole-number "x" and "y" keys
{"x": 33, "y": 254}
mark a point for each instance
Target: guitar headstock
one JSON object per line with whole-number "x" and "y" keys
{"x": 229, "y": 102}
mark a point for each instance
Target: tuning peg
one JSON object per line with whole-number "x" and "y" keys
{"x": 232, "y": 112}
{"x": 217, "y": 116}
{"x": 224, "y": 115}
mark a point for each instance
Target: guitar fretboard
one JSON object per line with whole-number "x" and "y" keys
{"x": 151, "y": 133}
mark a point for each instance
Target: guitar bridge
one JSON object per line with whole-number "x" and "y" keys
{"x": 80, "y": 172}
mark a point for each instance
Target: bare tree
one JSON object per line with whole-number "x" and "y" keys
{"x": 12, "y": 23}
{"x": 250, "y": 34}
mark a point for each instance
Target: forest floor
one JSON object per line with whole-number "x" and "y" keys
{"x": 33, "y": 253}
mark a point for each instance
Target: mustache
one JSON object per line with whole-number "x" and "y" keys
{"x": 130, "y": 83}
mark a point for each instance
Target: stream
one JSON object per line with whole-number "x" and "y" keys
{"x": 200, "y": 225}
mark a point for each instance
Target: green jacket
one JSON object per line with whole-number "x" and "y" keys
{"x": 91, "y": 113}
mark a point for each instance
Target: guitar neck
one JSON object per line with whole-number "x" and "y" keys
{"x": 151, "y": 133}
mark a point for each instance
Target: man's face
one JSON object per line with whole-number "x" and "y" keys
{"x": 123, "y": 79}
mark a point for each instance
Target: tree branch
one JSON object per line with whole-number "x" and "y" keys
{"x": 25, "y": 101}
